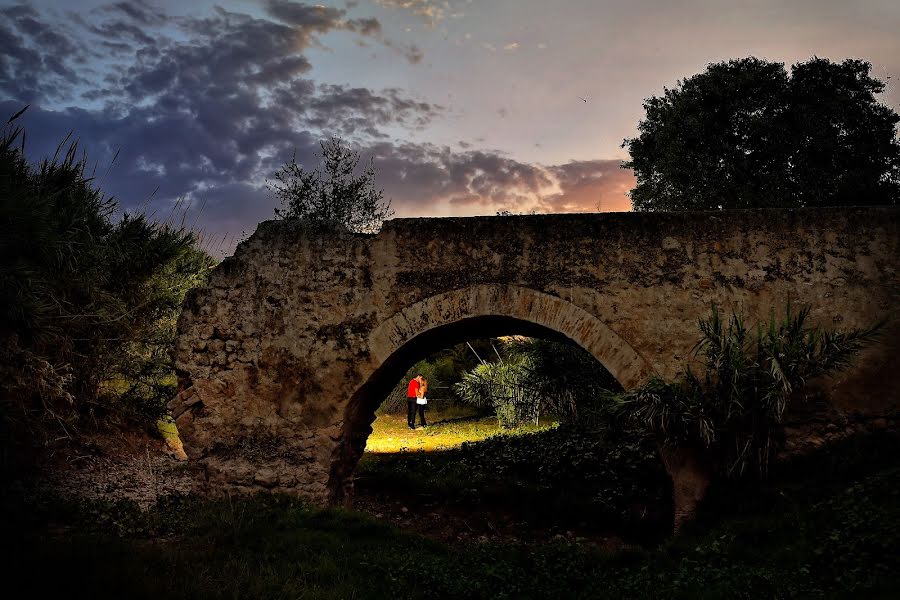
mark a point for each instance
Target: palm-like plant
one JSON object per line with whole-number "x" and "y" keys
{"x": 537, "y": 377}
{"x": 738, "y": 402}
{"x": 502, "y": 386}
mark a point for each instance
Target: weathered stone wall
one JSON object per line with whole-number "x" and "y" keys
{"x": 284, "y": 355}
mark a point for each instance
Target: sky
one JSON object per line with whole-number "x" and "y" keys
{"x": 466, "y": 107}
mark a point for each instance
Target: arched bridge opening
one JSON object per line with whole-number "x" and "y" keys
{"x": 360, "y": 412}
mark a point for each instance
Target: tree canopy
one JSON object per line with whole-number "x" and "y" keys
{"x": 747, "y": 134}
{"x": 333, "y": 193}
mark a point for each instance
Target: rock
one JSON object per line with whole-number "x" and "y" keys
{"x": 176, "y": 448}
{"x": 266, "y": 477}
{"x": 183, "y": 420}
{"x": 816, "y": 441}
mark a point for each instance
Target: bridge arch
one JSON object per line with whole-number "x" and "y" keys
{"x": 275, "y": 353}
{"x": 453, "y": 317}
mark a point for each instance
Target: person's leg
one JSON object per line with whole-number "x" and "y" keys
{"x": 411, "y": 413}
{"x": 422, "y": 414}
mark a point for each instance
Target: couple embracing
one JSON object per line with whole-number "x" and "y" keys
{"x": 415, "y": 396}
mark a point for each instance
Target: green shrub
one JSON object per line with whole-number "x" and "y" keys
{"x": 88, "y": 298}
{"x": 535, "y": 377}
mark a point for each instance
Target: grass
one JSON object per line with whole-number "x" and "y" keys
{"x": 838, "y": 540}
{"x": 556, "y": 478}
{"x": 447, "y": 429}
{"x": 827, "y": 528}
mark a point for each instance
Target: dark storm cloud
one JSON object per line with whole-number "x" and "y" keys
{"x": 320, "y": 19}
{"x": 176, "y": 155}
{"x": 225, "y": 52}
{"x": 314, "y": 18}
{"x": 365, "y": 26}
{"x": 207, "y": 108}
{"x": 344, "y": 110}
{"x": 120, "y": 30}
{"x": 421, "y": 174}
{"x": 37, "y": 57}
{"x": 117, "y": 47}
{"x": 137, "y": 11}
{"x": 208, "y": 114}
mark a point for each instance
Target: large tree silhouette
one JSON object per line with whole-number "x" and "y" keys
{"x": 746, "y": 133}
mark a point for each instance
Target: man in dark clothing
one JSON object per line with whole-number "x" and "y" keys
{"x": 412, "y": 391}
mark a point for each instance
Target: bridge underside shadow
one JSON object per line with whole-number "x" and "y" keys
{"x": 360, "y": 413}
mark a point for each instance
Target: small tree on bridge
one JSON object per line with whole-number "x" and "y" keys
{"x": 335, "y": 193}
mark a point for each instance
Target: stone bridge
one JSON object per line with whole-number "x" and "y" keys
{"x": 286, "y": 353}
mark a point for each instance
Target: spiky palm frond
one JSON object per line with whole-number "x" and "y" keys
{"x": 536, "y": 377}
{"x": 748, "y": 381}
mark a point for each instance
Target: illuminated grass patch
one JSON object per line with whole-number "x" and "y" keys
{"x": 446, "y": 430}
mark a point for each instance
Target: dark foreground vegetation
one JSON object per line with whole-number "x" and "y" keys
{"x": 89, "y": 297}
{"x": 590, "y": 482}
{"x": 832, "y": 533}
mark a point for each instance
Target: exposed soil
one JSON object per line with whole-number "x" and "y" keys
{"x": 124, "y": 464}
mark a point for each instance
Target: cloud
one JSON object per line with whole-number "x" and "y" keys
{"x": 134, "y": 44}
{"x": 38, "y": 58}
{"x": 225, "y": 172}
{"x": 321, "y": 19}
{"x": 121, "y": 30}
{"x": 430, "y": 11}
{"x": 426, "y": 179}
{"x": 511, "y": 47}
{"x": 207, "y": 108}
{"x": 318, "y": 18}
{"x": 343, "y": 110}
{"x": 590, "y": 185}
{"x": 137, "y": 11}
{"x": 205, "y": 104}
